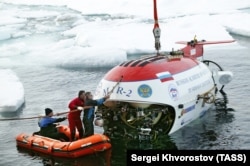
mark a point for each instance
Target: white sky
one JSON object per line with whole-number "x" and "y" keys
{"x": 113, "y": 38}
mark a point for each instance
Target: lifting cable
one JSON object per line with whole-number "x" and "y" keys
{"x": 156, "y": 30}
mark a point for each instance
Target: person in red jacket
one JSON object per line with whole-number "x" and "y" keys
{"x": 76, "y": 107}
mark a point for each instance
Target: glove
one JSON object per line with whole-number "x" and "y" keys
{"x": 106, "y": 97}
{"x": 79, "y": 108}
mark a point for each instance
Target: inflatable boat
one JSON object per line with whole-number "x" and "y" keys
{"x": 81, "y": 147}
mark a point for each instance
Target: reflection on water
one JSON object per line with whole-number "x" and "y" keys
{"x": 120, "y": 147}
{"x": 213, "y": 131}
{"x": 98, "y": 159}
{"x": 225, "y": 116}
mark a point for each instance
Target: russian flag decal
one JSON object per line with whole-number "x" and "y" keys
{"x": 164, "y": 76}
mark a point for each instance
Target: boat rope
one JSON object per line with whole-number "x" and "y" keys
{"x": 110, "y": 92}
{"x": 156, "y": 29}
{"x": 208, "y": 97}
{"x": 107, "y": 102}
{"x": 41, "y": 116}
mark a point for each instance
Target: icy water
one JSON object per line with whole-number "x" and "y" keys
{"x": 54, "y": 86}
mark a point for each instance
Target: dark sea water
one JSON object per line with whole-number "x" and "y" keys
{"x": 55, "y": 86}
